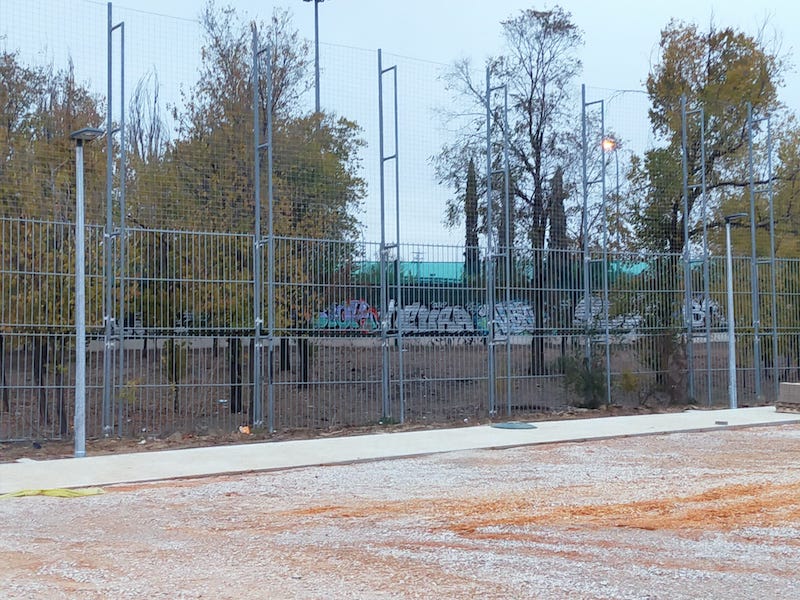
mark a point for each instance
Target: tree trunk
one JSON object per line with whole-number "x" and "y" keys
{"x": 235, "y": 363}
{"x": 302, "y": 360}
{"x": 40, "y": 373}
{"x": 3, "y": 384}
{"x": 251, "y": 363}
{"x": 537, "y": 341}
{"x": 537, "y": 352}
{"x": 60, "y": 407}
{"x": 286, "y": 360}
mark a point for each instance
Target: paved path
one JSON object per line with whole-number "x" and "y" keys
{"x": 196, "y": 462}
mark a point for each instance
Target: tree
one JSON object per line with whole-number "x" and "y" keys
{"x": 39, "y": 108}
{"x": 471, "y": 250}
{"x": 539, "y": 67}
{"x": 720, "y": 70}
{"x": 205, "y": 178}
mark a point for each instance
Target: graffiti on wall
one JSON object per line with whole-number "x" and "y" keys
{"x": 351, "y": 316}
{"x": 436, "y": 318}
{"x": 511, "y": 318}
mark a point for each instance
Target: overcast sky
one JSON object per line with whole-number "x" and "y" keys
{"x": 621, "y": 35}
{"x": 621, "y": 43}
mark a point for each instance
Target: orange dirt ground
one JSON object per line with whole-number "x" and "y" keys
{"x": 680, "y": 516}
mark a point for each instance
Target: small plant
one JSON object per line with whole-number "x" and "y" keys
{"x": 175, "y": 359}
{"x": 586, "y": 379}
{"x": 629, "y": 382}
{"x": 129, "y": 392}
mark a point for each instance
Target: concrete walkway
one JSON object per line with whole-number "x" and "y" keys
{"x": 196, "y": 462}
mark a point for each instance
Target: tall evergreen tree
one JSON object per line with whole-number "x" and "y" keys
{"x": 471, "y": 251}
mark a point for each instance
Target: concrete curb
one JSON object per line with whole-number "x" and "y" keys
{"x": 267, "y": 456}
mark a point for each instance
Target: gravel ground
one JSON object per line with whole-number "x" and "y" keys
{"x": 698, "y": 515}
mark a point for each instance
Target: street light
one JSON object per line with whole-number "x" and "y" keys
{"x": 612, "y": 145}
{"x": 87, "y": 134}
{"x": 731, "y": 324}
{"x": 316, "y": 50}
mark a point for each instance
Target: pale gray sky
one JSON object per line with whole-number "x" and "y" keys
{"x": 621, "y": 42}
{"x": 621, "y": 35}
{"x": 621, "y": 39}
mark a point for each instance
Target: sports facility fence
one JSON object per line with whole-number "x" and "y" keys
{"x": 252, "y": 260}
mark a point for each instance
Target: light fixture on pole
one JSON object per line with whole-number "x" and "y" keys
{"x": 731, "y": 321}
{"x": 87, "y": 134}
{"x": 316, "y": 51}
{"x": 612, "y": 145}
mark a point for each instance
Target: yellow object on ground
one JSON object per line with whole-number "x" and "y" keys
{"x": 56, "y": 493}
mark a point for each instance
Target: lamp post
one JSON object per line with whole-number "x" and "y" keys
{"x": 316, "y": 51}
{"x": 612, "y": 145}
{"x": 87, "y": 134}
{"x": 731, "y": 321}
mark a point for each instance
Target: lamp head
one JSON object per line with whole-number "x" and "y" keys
{"x": 734, "y": 217}
{"x": 609, "y": 144}
{"x": 87, "y": 134}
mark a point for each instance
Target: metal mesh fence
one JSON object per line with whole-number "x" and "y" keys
{"x": 252, "y": 260}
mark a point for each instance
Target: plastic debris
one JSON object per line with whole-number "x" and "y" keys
{"x": 55, "y": 493}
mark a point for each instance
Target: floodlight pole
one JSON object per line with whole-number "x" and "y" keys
{"x": 756, "y": 309}
{"x": 109, "y": 233}
{"x": 259, "y": 242}
{"x": 585, "y": 229}
{"x": 731, "y": 320}
{"x": 316, "y": 52}
{"x": 616, "y": 191}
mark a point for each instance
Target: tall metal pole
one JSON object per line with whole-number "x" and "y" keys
{"x": 398, "y": 286}
{"x": 619, "y": 216}
{"x": 587, "y": 305}
{"x": 82, "y": 135}
{"x": 731, "y": 316}
{"x": 384, "y": 250}
{"x": 772, "y": 266}
{"x": 704, "y": 208}
{"x": 316, "y": 54}
{"x": 706, "y": 256}
{"x": 122, "y": 241}
{"x": 507, "y": 242}
{"x": 687, "y": 265}
{"x": 271, "y": 247}
{"x": 258, "y": 315}
{"x": 606, "y": 299}
{"x": 386, "y": 409}
{"x": 753, "y": 262}
{"x": 80, "y": 309}
{"x": 108, "y": 236}
{"x": 490, "y": 252}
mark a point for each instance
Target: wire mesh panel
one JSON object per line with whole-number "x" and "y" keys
{"x": 536, "y": 341}
{"x": 182, "y": 348}
{"x": 327, "y": 362}
{"x": 37, "y": 325}
{"x": 438, "y": 254}
{"x": 788, "y": 278}
{"x": 441, "y": 315}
